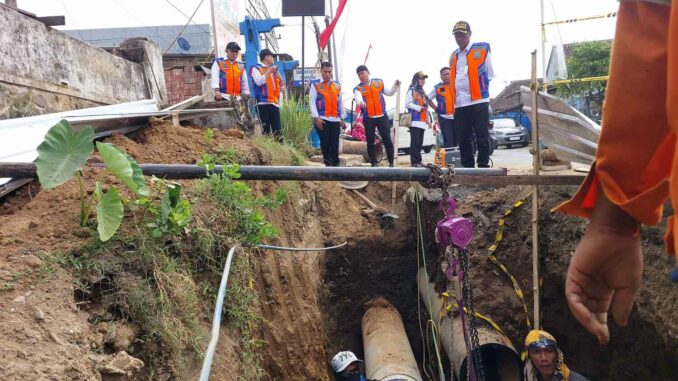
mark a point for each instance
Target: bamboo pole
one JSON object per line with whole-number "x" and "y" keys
{"x": 396, "y": 126}
{"x": 535, "y": 192}
{"x": 543, "y": 50}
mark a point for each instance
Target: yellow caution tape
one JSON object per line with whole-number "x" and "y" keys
{"x": 454, "y": 305}
{"x": 498, "y": 237}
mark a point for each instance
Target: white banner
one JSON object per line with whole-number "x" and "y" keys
{"x": 227, "y": 17}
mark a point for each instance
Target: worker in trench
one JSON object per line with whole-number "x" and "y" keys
{"x": 347, "y": 367}
{"x": 635, "y": 171}
{"x": 545, "y": 360}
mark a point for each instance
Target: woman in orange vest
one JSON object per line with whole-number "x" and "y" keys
{"x": 634, "y": 172}
{"x": 267, "y": 85}
{"x": 417, "y": 102}
{"x": 228, "y": 75}
{"x": 369, "y": 95}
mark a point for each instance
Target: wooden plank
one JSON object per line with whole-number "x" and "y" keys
{"x": 52, "y": 20}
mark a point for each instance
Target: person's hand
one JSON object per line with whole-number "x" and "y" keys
{"x": 605, "y": 272}
{"x": 342, "y": 124}
{"x": 362, "y": 105}
{"x": 217, "y": 96}
{"x": 397, "y": 82}
{"x": 319, "y": 124}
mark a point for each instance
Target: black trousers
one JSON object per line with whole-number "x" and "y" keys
{"x": 270, "y": 119}
{"x": 449, "y": 131}
{"x": 473, "y": 120}
{"x": 384, "y": 128}
{"x": 416, "y": 141}
{"x": 329, "y": 142}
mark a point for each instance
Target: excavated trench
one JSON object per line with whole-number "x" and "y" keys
{"x": 387, "y": 267}
{"x": 311, "y": 304}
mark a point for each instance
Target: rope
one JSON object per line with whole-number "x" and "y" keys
{"x": 436, "y": 338}
{"x": 492, "y": 257}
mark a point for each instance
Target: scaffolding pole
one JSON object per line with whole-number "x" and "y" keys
{"x": 535, "y": 193}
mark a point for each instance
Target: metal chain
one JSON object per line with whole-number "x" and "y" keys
{"x": 438, "y": 179}
{"x": 467, "y": 295}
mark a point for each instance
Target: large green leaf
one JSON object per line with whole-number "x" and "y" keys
{"x": 62, "y": 153}
{"x": 169, "y": 200}
{"x": 109, "y": 213}
{"x": 137, "y": 175}
{"x": 118, "y": 164}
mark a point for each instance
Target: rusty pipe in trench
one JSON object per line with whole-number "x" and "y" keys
{"x": 500, "y": 359}
{"x": 388, "y": 355}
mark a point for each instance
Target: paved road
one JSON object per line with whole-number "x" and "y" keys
{"x": 512, "y": 158}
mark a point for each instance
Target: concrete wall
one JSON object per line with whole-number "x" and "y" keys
{"x": 43, "y": 70}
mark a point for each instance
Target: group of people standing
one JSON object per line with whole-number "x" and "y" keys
{"x": 229, "y": 79}
{"x": 461, "y": 101}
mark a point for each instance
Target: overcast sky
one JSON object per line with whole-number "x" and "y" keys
{"x": 406, "y": 36}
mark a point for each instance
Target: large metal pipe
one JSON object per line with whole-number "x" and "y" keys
{"x": 360, "y": 148}
{"x": 500, "y": 359}
{"x": 388, "y": 355}
{"x": 465, "y": 176}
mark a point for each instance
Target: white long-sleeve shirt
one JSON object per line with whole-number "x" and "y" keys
{"x": 462, "y": 88}
{"x": 409, "y": 103}
{"x": 359, "y": 97}
{"x": 313, "y": 98}
{"x": 244, "y": 85}
{"x": 260, "y": 80}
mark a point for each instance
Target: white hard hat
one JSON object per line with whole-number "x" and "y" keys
{"x": 343, "y": 359}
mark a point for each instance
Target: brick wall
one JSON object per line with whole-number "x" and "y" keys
{"x": 182, "y": 79}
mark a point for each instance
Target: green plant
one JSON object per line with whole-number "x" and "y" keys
{"x": 281, "y": 154}
{"x": 62, "y": 155}
{"x": 296, "y": 123}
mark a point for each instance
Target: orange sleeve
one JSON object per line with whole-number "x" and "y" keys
{"x": 636, "y": 146}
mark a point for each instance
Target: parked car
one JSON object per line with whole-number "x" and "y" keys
{"x": 507, "y": 133}
{"x": 404, "y": 140}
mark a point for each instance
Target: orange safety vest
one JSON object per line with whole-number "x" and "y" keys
{"x": 270, "y": 91}
{"x": 477, "y": 73}
{"x": 327, "y": 101}
{"x": 422, "y": 115}
{"x": 444, "y": 99}
{"x": 230, "y": 76}
{"x": 373, "y": 96}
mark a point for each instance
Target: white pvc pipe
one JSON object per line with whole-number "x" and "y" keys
{"x": 216, "y": 322}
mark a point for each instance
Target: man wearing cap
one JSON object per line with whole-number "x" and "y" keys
{"x": 470, "y": 74}
{"x": 328, "y": 113}
{"x": 228, "y": 75}
{"x": 443, "y": 93}
{"x": 545, "y": 360}
{"x": 369, "y": 95}
{"x": 267, "y": 85}
{"x": 346, "y": 367}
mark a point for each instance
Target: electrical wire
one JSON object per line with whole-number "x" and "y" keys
{"x": 189, "y": 18}
{"x": 184, "y": 28}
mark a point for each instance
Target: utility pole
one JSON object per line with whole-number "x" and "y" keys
{"x": 329, "y": 48}
{"x": 214, "y": 31}
{"x": 303, "y": 58}
{"x": 334, "y": 46}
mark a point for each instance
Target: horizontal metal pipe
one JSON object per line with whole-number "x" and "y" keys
{"x": 465, "y": 176}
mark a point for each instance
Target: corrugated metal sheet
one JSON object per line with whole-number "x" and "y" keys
{"x": 566, "y": 131}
